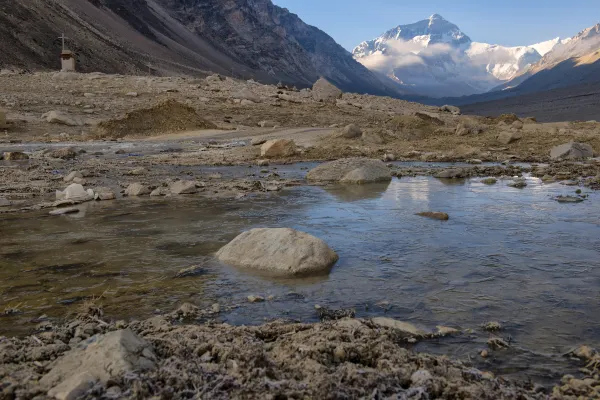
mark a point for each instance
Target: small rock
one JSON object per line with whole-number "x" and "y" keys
{"x": 497, "y": 343}
{"x": 584, "y": 352}
{"x": 278, "y": 148}
{"x": 517, "y": 125}
{"x": 339, "y": 354}
{"x": 15, "y": 156}
{"x": 75, "y": 192}
{"x": 450, "y": 173}
{"x": 216, "y": 308}
{"x": 160, "y": 191}
{"x": 258, "y": 141}
{"x": 256, "y": 299}
{"x": 568, "y": 199}
{"x": 59, "y": 117}
{"x": 349, "y": 132}
{"x": 484, "y": 354}
{"x": 267, "y": 124}
{"x": 183, "y": 187}
{"x": 389, "y": 157}
{"x": 518, "y": 183}
{"x": 262, "y": 163}
{"x": 404, "y": 327}
{"x": 138, "y": 171}
{"x": 137, "y": 189}
{"x": 325, "y": 91}
{"x": 489, "y": 181}
{"x": 73, "y": 175}
{"x": 509, "y": 137}
{"x": 451, "y": 109}
{"x": 132, "y": 94}
{"x": 421, "y": 377}
{"x": 66, "y": 153}
{"x": 572, "y": 151}
{"x": 435, "y": 215}
{"x": 492, "y": 326}
{"x": 446, "y": 331}
{"x": 474, "y": 161}
{"x": 104, "y": 193}
{"x": 190, "y": 271}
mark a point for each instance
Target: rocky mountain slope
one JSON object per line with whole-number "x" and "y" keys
{"x": 244, "y": 38}
{"x": 435, "y": 58}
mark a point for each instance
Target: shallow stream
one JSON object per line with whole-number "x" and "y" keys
{"x": 511, "y": 255}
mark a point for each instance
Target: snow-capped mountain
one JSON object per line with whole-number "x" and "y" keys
{"x": 433, "y": 57}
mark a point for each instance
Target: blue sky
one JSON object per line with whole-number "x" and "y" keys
{"x": 505, "y": 22}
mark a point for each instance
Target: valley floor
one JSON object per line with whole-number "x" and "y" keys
{"x": 115, "y": 131}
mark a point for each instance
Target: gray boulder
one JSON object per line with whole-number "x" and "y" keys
{"x": 572, "y": 151}
{"x": 100, "y": 358}
{"x": 325, "y": 91}
{"x": 351, "y": 170}
{"x": 279, "y": 252}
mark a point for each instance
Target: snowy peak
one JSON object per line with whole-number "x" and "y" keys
{"x": 545, "y": 47}
{"x": 422, "y": 34}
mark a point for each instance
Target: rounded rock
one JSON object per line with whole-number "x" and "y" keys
{"x": 279, "y": 252}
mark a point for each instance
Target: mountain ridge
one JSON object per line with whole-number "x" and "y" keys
{"x": 245, "y": 38}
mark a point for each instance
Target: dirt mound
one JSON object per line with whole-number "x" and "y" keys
{"x": 170, "y": 116}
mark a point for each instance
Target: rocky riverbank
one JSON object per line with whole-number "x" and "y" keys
{"x": 167, "y": 357}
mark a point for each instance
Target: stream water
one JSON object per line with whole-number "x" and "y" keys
{"x": 511, "y": 255}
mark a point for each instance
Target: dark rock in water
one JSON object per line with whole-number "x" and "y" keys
{"x": 325, "y": 314}
{"x": 435, "y": 215}
{"x": 568, "y": 199}
{"x": 451, "y": 173}
{"x": 194, "y": 270}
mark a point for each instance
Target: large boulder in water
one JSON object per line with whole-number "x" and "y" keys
{"x": 351, "y": 170}
{"x": 325, "y": 91}
{"x": 279, "y": 252}
{"x": 572, "y": 151}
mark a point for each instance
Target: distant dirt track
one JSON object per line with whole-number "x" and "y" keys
{"x": 578, "y": 103}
